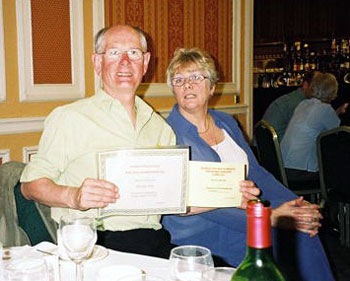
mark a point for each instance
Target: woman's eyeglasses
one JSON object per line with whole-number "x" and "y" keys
{"x": 192, "y": 79}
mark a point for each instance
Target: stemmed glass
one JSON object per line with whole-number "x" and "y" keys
{"x": 219, "y": 274}
{"x": 26, "y": 268}
{"x": 188, "y": 262}
{"x": 141, "y": 277}
{"x": 78, "y": 236}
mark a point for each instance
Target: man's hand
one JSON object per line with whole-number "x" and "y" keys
{"x": 297, "y": 214}
{"x": 93, "y": 193}
{"x": 249, "y": 191}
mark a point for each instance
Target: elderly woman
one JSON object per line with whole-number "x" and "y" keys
{"x": 215, "y": 136}
{"x": 311, "y": 117}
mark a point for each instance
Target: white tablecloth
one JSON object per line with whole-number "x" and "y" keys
{"x": 149, "y": 264}
{"x": 153, "y": 265}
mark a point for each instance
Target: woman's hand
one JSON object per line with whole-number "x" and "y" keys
{"x": 297, "y": 214}
{"x": 249, "y": 191}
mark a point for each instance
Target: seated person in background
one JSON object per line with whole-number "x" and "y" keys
{"x": 64, "y": 173}
{"x": 215, "y": 136}
{"x": 311, "y": 117}
{"x": 280, "y": 111}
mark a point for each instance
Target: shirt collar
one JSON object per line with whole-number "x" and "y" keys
{"x": 108, "y": 103}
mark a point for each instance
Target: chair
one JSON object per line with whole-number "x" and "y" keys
{"x": 333, "y": 149}
{"x": 22, "y": 221}
{"x": 270, "y": 157}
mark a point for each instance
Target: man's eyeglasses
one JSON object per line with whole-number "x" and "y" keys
{"x": 192, "y": 79}
{"x": 116, "y": 54}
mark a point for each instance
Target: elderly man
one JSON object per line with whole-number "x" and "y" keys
{"x": 64, "y": 173}
{"x": 280, "y": 111}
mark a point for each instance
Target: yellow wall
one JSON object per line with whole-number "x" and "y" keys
{"x": 13, "y": 108}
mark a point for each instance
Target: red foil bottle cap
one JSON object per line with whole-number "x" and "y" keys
{"x": 258, "y": 224}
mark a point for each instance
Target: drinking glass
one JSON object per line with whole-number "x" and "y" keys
{"x": 26, "y": 269}
{"x": 78, "y": 237}
{"x": 188, "y": 262}
{"x": 142, "y": 277}
{"x": 219, "y": 274}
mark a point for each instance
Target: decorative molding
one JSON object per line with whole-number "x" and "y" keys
{"x": 5, "y": 155}
{"x": 248, "y": 58}
{"x": 236, "y": 45}
{"x": 163, "y": 90}
{"x": 235, "y": 109}
{"x": 10, "y": 126}
{"x": 98, "y": 13}
{"x": 45, "y": 92}
{"x": 28, "y": 151}
{"x": 2, "y": 58}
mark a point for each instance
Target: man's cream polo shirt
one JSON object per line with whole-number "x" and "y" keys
{"x": 75, "y": 133}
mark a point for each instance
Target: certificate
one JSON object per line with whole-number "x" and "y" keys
{"x": 213, "y": 184}
{"x": 150, "y": 181}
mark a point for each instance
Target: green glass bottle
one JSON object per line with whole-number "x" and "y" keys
{"x": 258, "y": 264}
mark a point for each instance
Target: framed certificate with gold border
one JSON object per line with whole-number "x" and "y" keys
{"x": 150, "y": 181}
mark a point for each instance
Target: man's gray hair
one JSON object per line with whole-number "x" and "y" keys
{"x": 100, "y": 39}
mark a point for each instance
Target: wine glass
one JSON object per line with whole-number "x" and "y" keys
{"x": 78, "y": 237}
{"x": 188, "y": 262}
{"x": 219, "y": 274}
{"x": 26, "y": 269}
{"x": 142, "y": 277}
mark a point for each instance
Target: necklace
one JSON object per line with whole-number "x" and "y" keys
{"x": 207, "y": 125}
{"x": 216, "y": 145}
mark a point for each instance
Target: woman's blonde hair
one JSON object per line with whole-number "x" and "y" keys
{"x": 324, "y": 86}
{"x": 186, "y": 57}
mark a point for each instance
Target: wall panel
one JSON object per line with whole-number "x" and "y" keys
{"x": 51, "y": 49}
{"x": 4, "y": 156}
{"x": 27, "y": 28}
{"x": 179, "y": 23}
{"x": 2, "y": 58}
{"x": 51, "y": 42}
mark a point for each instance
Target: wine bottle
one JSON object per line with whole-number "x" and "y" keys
{"x": 258, "y": 264}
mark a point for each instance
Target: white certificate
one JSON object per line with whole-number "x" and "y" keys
{"x": 150, "y": 181}
{"x": 215, "y": 184}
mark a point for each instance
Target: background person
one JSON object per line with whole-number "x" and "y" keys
{"x": 281, "y": 110}
{"x": 311, "y": 117}
{"x": 64, "y": 173}
{"x": 215, "y": 136}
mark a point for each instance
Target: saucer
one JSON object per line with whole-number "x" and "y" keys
{"x": 98, "y": 253}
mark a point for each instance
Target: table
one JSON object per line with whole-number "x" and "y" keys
{"x": 149, "y": 264}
